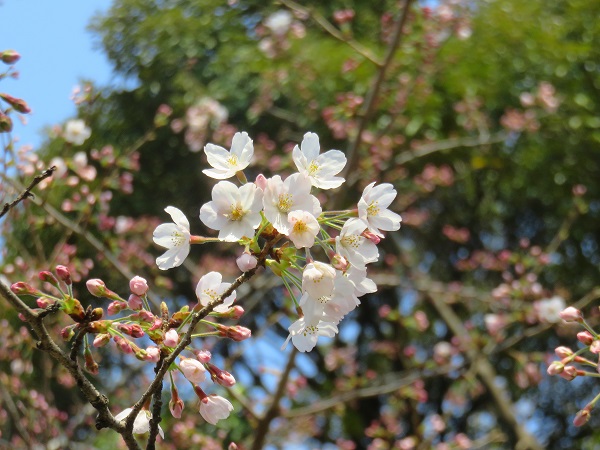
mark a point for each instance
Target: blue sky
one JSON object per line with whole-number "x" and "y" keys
{"x": 56, "y": 52}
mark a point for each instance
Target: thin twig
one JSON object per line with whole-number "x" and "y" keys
{"x": 372, "y": 97}
{"x": 27, "y": 192}
{"x": 333, "y": 31}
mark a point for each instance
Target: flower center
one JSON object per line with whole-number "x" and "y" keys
{"x": 323, "y": 299}
{"x": 177, "y": 239}
{"x": 373, "y": 208}
{"x": 236, "y": 213}
{"x": 211, "y": 293}
{"x": 313, "y": 168}
{"x": 300, "y": 227}
{"x": 285, "y": 202}
{"x": 351, "y": 240}
{"x": 310, "y": 329}
{"x": 232, "y": 160}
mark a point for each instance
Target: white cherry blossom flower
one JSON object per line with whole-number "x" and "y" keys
{"x": 234, "y": 211}
{"x": 76, "y": 132}
{"x": 334, "y": 306}
{"x": 357, "y": 249}
{"x": 318, "y": 279}
{"x": 305, "y": 332}
{"x": 321, "y": 169}
{"x": 226, "y": 163}
{"x": 175, "y": 237}
{"x": 372, "y": 208}
{"x": 214, "y": 408}
{"x": 282, "y": 197}
{"x": 548, "y": 309}
{"x": 279, "y": 22}
{"x": 362, "y": 284}
{"x": 141, "y": 424}
{"x": 210, "y": 287}
{"x": 303, "y": 228}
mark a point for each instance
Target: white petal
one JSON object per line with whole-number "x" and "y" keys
{"x": 310, "y": 146}
{"x": 217, "y": 156}
{"x": 211, "y": 217}
{"x": 299, "y": 160}
{"x": 163, "y": 234}
{"x": 173, "y": 257}
{"x": 219, "y": 174}
{"x": 178, "y": 217}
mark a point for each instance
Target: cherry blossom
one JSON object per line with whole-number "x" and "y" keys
{"x": 193, "y": 370}
{"x": 304, "y": 228}
{"x": 234, "y": 211}
{"x": 282, "y": 197}
{"x": 305, "y": 332}
{"x": 175, "y": 237}
{"x": 210, "y": 287}
{"x": 357, "y": 249}
{"x": 318, "y": 279}
{"x": 226, "y": 163}
{"x": 372, "y": 208}
{"x": 141, "y": 424}
{"x": 321, "y": 169}
{"x": 76, "y": 132}
{"x": 214, "y": 408}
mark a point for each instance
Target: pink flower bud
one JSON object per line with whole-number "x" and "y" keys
{"x": 238, "y": 333}
{"x": 101, "y": 340}
{"x": 569, "y": 373}
{"x": 134, "y": 302}
{"x": 138, "y": 286}
{"x": 219, "y": 376}
{"x": 339, "y": 262}
{"x": 176, "y": 407}
{"x": 193, "y": 370}
{"x": 64, "y": 275}
{"x": 203, "y": 356}
{"x": 246, "y": 262}
{"x": 18, "y": 104}
{"x": 582, "y": 417}
{"x": 555, "y": 368}
{"x": 171, "y": 338}
{"x": 21, "y": 288}
{"x": 232, "y": 446}
{"x": 96, "y": 287}
{"x": 563, "y": 352}
{"x": 116, "y": 307}
{"x": 123, "y": 344}
{"x": 261, "y": 181}
{"x": 45, "y": 302}
{"x": 152, "y": 354}
{"x": 235, "y": 312}
{"x": 372, "y": 237}
{"x": 48, "y": 277}
{"x": 571, "y": 314}
{"x": 595, "y": 347}
{"x": 585, "y": 337}
{"x": 9, "y": 56}
{"x": 68, "y": 332}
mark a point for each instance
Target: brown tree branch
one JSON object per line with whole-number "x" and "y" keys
{"x": 372, "y": 97}
{"x": 27, "y": 191}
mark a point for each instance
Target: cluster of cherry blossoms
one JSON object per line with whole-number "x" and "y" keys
{"x": 273, "y": 209}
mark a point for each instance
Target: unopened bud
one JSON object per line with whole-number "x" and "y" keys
{"x": 6, "y": 124}
{"x": 152, "y": 354}
{"x": 235, "y": 312}
{"x": 48, "y": 277}
{"x": 9, "y": 56}
{"x": 134, "y": 302}
{"x": 582, "y": 417}
{"x": 67, "y": 332}
{"x": 123, "y": 344}
{"x": 101, "y": 340}
{"x": 138, "y": 286}
{"x": 555, "y": 368}
{"x": 219, "y": 376}
{"x": 97, "y": 314}
{"x": 171, "y": 338}
{"x": 21, "y": 288}
{"x": 96, "y": 287}
{"x": 372, "y": 237}
{"x": 585, "y": 337}
{"x": 116, "y": 307}
{"x": 203, "y": 356}
{"x": 232, "y": 446}
{"x": 45, "y": 302}
{"x": 18, "y": 104}
{"x": 569, "y": 373}
{"x": 339, "y": 262}
{"x": 238, "y": 333}
{"x": 246, "y": 262}
{"x": 571, "y": 314}
{"x": 563, "y": 352}
{"x": 62, "y": 272}
{"x": 176, "y": 407}
{"x": 261, "y": 181}
{"x": 90, "y": 365}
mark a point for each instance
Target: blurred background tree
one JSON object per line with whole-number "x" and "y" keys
{"x": 484, "y": 115}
